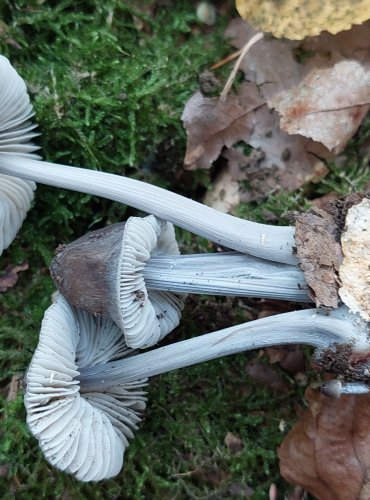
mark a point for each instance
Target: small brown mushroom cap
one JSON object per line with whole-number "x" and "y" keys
{"x": 102, "y": 272}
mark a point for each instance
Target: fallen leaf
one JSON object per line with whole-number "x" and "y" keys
{"x": 290, "y": 160}
{"x": 296, "y": 20}
{"x": 224, "y": 193}
{"x": 270, "y": 63}
{"x": 266, "y": 375}
{"x": 328, "y": 104}
{"x": 10, "y": 276}
{"x": 282, "y": 161}
{"x": 350, "y": 43}
{"x": 233, "y": 443}
{"x": 326, "y": 96}
{"x": 212, "y": 124}
{"x": 328, "y": 451}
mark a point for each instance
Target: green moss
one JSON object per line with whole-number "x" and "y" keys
{"x": 109, "y": 81}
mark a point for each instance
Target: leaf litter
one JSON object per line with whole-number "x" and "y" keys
{"x": 299, "y": 105}
{"x": 9, "y": 277}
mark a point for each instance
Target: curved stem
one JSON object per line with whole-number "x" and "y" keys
{"x": 228, "y": 273}
{"x": 264, "y": 241}
{"x": 309, "y": 326}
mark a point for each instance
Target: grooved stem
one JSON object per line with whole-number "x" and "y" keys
{"x": 308, "y": 326}
{"x": 229, "y": 273}
{"x": 273, "y": 243}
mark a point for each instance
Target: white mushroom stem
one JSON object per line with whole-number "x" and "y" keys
{"x": 336, "y": 388}
{"x": 229, "y": 273}
{"x": 273, "y": 243}
{"x": 310, "y": 326}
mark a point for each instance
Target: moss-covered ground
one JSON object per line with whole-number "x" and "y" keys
{"x": 108, "y": 81}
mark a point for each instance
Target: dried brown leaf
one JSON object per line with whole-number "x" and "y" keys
{"x": 212, "y": 124}
{"x": 325, "y": 97}
{"x": 266, "y": 375}
{"x": 328, "y": 104}
{"x": 290, "y": 160}
{"x": 279, "y": 160}
{"x": 10, "y": 276}
{"x": 350, "y": 43}
{"x": 224, "y": 193}
{"x": 270, "y": 63}
{"x": 328, "y": 451}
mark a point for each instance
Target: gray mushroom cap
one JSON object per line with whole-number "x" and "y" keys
{"x": 102, "y": 273}
{"x": 16, "y": 134}
{"x": 145, "y": 316}
{"x": 83, "y": 433}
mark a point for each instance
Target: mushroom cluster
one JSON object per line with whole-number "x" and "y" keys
{"x": 102, "y": 272}
{"x": 132, "y": 272}
{"x": 85, "y": 386}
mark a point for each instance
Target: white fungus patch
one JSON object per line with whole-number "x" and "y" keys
{"x": 354, "y": 271}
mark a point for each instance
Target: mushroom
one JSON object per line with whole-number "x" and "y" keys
{"x": 16, "y": 132}
{"x": 81, "y": 432}
{"x": 273, "y": 243}
{"x": 102, "y": 272}
{"x": 83, "y": 407}
{"x": 268, "y": 242}
{"x": 133, "y": 273}
{"x": 335, "y": 388}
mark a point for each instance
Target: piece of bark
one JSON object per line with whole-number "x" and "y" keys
{"x": 320, "y": 255}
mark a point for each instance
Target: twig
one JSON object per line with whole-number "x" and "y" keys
{"x": 231, "y": 78}
{"x": 227, "y": 59}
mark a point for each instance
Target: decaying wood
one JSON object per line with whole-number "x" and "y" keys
{"x": 320, "y": 255}
{"x": 319, "y": 251}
